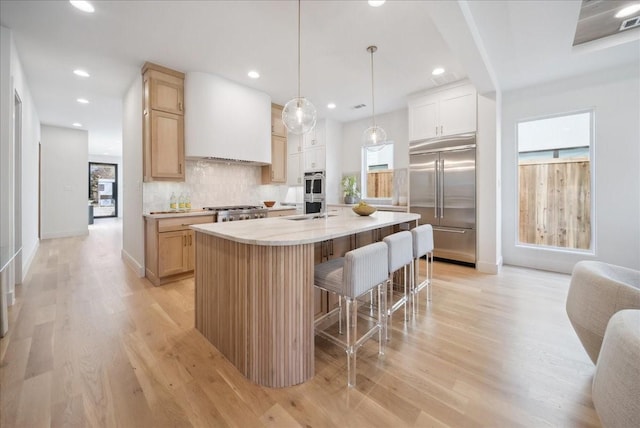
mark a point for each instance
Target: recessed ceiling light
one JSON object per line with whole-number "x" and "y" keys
{"x": 77, "y": 124}
{"x": 84, "y": 6}
{"x": 437, "y": 71}
{"x": 82, "y": 101}
{"x": 331, "y": 105}
{"x": 253, "y": 74}
{"x": 376, "y": 3}
{"x": 81, "y": 73}
{"x": 629, "y": 10}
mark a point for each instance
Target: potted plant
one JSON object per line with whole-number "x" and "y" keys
{"x": 350, "y": 189}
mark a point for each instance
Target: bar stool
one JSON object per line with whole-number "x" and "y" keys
{"x": 422, "y": 246}
{"x": 353, "y": 275}
{"x": 400, "y": 246}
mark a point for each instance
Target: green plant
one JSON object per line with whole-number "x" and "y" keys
{"x": 350, "y": 186}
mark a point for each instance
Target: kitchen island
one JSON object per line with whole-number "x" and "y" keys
{"x": 254, "y": 289}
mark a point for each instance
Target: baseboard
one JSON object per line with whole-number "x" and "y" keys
{"x": 490, "y": 268}
{"x": 132, "y": 263}
{"x": 27, "y": 259}
{"x": 67, "y": 234}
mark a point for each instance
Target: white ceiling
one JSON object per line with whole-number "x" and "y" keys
{"x": 526, "y": 42}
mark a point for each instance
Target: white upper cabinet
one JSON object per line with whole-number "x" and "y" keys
{"x": 446, "y": 112}
{"x": 315, "y": 137}
{"x": 294, "y": 169}
{"x": 226, "y": 120}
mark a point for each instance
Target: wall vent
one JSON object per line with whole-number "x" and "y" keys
{"x": 630, "y": 23}
{"x": 443, "y": 79}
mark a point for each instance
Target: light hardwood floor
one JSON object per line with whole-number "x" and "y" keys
{"x": 90, "y": 344}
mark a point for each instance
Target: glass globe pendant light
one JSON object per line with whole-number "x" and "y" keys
{"x": 299, "y": 115}
{"x": 374, "y": 137}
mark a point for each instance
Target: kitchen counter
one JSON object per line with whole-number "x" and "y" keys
{"x": 254, "y": 289}
{"x": 282, "y": 208}
{"x": 170, "y": 214}
{"x": 396, "y": 208}
{"x": 302, "y": 229}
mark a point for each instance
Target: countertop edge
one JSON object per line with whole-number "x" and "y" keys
{"x": 332, "y": 229}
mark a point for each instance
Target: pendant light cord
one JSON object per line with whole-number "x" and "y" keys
{"x": 299, "y": 49}
{"x": 372, "y": 49}
{"x": 373, "y": 97}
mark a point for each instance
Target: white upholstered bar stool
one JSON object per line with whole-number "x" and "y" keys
{"x": 400, "y": 257}
{"x": 358, "y": 272}
{"x": 422, "y": 246}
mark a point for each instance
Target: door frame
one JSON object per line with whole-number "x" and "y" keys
{"x": 115, "y": 192}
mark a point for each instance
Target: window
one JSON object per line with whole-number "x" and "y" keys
{"x": 555, "y": 181}
{"x": 377, "y": 175}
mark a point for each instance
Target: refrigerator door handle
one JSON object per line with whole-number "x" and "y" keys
{"x": 441, "y": 188}
{"x": 435, "y": 189}
{"x": 437, "y": 229}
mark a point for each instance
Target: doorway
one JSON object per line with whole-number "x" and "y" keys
{"x": 103, "y": 189}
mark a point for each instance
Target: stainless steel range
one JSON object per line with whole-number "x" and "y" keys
{"x": 238, "y": 212}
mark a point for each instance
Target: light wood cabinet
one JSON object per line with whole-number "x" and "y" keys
{"x": 163, "y": 124}
{"x": 443, "y": 113}
{"x": 277, "y": 171}
{"x": 277, "y": 125}
{"x": 170, "y": 247}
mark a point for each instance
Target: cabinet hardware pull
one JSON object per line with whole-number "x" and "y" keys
{"x": 190, "y": 240}
{"x": 436, "y": 129}
{"x": 441, "y": 132}
{"x": 179, "y": 168}
{"x": 180, "y": 106}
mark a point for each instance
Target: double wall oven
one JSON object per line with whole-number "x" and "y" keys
{"x": 314, "y": 192}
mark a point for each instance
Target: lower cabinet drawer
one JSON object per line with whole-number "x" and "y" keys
{"x": 181, "y": 223}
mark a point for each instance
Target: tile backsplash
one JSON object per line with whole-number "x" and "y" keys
{"x": 213, "y": 184}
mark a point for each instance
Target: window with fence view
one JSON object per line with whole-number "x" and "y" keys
{"x": 378, "y": 164}
{"x": 554, "y": 173}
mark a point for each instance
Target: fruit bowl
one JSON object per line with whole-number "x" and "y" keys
{"x": 364, "y": 209}
{"x": 269, "y": 204}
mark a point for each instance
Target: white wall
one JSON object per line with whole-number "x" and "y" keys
{"x": 395, "y": 124}
{"x": 614, "y": 97}
{"x": 488, "y": 203}
{"x": 13, "y": 81}
{"x": 64, "y": 182}
{"x": 132, "y": 221}
{"x": 118, "y": 161}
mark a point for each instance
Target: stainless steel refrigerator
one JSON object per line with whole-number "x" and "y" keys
{"x": 442, "y": 189}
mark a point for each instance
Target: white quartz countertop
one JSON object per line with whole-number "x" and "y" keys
{"x": 282, "y": 231}
{"x": 398, "y": 208}
{"x": 170, "y": 214}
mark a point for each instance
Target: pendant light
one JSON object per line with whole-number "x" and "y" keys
{"x": 299, "y": 115}
{"x": 374, "y": 137}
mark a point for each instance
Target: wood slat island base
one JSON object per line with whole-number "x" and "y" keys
{"x": 252, "y": 303}
{"x": 254, "y": 290}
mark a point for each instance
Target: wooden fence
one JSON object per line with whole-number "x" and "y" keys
{"x": 555, "y": 203}
{"x": 380, "y": 184}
